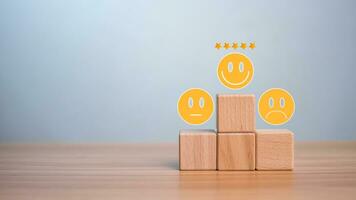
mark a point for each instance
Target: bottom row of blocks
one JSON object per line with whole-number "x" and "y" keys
{"x": 263, "y": 150}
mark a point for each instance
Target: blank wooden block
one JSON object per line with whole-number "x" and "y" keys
{"x": 235, "y": 113}
{"x": 236, "y": 151}
{"x": 197, "y": 150}
{"x": 274, "y": 150}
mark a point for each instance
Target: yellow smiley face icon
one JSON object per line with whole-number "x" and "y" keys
{"x": 276, "y": 106}
{"x": 235, "y": 70}
{"x": 195, "y": 106}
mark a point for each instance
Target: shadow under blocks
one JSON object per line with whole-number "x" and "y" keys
{"x": 237, "y": 144}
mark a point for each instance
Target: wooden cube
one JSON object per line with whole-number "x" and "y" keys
{"x": 197, "y": 150}
{"x": 235, "y": 113}
{"x": 236, "y": 151}
{"x": 274, "y": 150}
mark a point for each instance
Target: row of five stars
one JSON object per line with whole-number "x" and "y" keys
{"x": 235, "y": 45}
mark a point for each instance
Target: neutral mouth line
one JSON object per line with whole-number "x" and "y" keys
{"x": 239, "y": 83}
{"x": 195, "y": 114}
{"x": 276, "y": 111}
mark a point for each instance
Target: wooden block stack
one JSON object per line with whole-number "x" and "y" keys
{"x": 236, "y": 145}
{"x": 236, "y": 138}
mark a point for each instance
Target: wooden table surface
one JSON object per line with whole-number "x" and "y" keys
{"x": 323, "y": 170}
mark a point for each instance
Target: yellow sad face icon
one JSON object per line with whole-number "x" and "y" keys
{"x": 195, "y": 106}
{"x": 235, "y": 71}
{"x": 276, "y": 106}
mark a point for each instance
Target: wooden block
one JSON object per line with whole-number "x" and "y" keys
{"x": 236, "y": 151}
{"x": 197, "y": 150}
{"x": 274, "y": 150}
{"x": 235, "y": 113}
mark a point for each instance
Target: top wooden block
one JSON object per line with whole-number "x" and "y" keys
{"x": 235, "y": 113}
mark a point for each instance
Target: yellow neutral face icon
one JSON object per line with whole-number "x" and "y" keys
{"x": 235, "y": 71}
{"x": 276, "y": 106}
{"x": 195, "y": 106}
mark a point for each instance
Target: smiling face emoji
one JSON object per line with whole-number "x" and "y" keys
{"x": 235, "y": 71}
{"x": 195, "y": 106}
{"x": 276, "y": 106}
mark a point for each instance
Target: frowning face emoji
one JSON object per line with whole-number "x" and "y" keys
{"x": 195, "y": 106}
{"x": 235, "y": 71}
{"x": 276, "y": 106}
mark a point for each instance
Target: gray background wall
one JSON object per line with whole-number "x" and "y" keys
{"x": 112, "y": 71}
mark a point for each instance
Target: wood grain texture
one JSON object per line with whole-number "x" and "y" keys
{"x": 197, "y": 150}
{"x": 236, "y": 151}
{"x": 323, "y": 170}
{"x": 235, "y": 113}
{"x": 274, "y": 150}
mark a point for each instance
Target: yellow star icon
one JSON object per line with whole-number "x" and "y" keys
{"x": 234, "y": 45}
{"x": 252, "y": 45}
{"x": 218, "y": 45}
{"x": 243, "y": 45}
{"x": 226, "y": 45}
